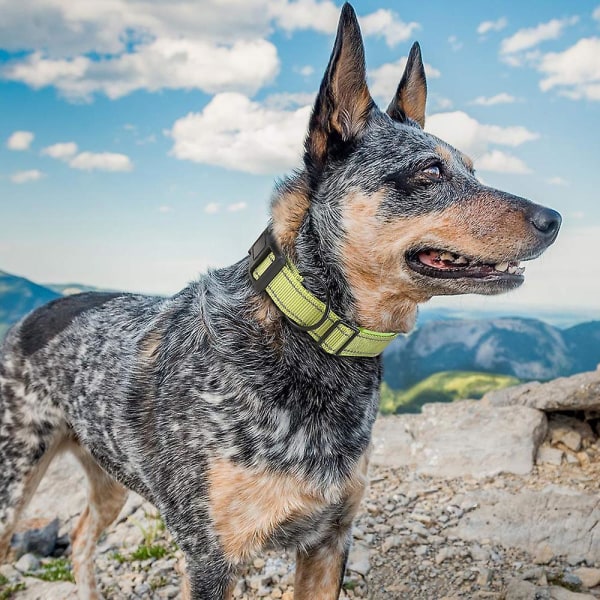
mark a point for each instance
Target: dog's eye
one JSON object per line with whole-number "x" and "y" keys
{"x": 432, "y": 171}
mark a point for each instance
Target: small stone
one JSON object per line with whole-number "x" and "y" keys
{"x": 9, "y": 572}
{"x": 444, "y": 554}
{"x": 287, "y": 596}
{"x": 141, "y": 589}
{"x": 27, "y": 563}
{"x": 521, "y": 590}
{"x": 589, "y": 577}
{"x": 359, "y": 559}
{"x": 549, "y": 456}
{"x": 484, "y": 578}
{"x": 543, "y": 555}
{"x": 390, "y": 542}
{"x": 560, "y": 593}
{"x": 259, "y": 563}
{"x": 169, "y": 591}
{"x": 478, "y": 553}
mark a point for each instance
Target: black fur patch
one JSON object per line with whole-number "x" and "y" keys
{"x": 52, "y": 318}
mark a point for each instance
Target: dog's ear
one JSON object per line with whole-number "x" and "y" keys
{"x": 343, "y": 103}
{"x": 411, "y": 94}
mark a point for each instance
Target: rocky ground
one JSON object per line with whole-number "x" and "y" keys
{"x": 446, "y": 516}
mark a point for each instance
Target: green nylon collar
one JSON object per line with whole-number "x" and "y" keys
{"x": 271, "y": 272}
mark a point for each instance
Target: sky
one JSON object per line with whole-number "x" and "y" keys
{"x": 140, "y": 140}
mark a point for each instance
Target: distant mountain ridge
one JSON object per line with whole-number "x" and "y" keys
{"x": 18, "y": 296}
{"x": 525, "y": 348}
{"x": 522, "y": 347}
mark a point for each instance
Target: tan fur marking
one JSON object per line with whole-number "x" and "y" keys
{"x": 106, "y": 497}
{"x": 467, "y": 160}
{"x": 288, "y": 213}
{"x": 149, "y": 344}
{"x": 385, "y": 288}
{"x": 444, "y": 154}
{"x": 248, "y": 505}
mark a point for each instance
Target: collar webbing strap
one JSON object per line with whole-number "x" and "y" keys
{"x": 271, "y": 272}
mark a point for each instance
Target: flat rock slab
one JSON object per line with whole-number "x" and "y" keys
{"x": 578, "y": 392}
{"x": 459, "y": 439}
{"x": 554, "y": 521}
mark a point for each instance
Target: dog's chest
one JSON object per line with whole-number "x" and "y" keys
{"x": 254, "y": 509}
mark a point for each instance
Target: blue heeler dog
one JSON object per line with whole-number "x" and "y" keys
{"x": 242, "y": 407}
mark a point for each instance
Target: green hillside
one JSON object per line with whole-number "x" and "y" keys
{"x": 446, "y": 386}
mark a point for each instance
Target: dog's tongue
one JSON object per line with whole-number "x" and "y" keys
{"x": 437, "y": 259}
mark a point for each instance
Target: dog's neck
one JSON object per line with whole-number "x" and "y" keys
{"x": 296, "y": 230}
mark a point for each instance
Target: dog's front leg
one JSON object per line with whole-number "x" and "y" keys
{"x": 320, "y": 570}
{"x": 207, "y": 579}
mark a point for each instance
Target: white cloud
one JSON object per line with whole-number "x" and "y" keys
{"x": 20, "y": 140}
{"x": 533, "y": 36}
{"x": 164, "y": 63}
{"x": 487, "y": 26}
{"x": 213, "y": 46}
{"x": 473, "y": 137}
{"x": 501, "y": 162}
{"x": 237, "y": 207}
{"x": 386, "y": 24}
{"x": 306, "y": 70}
{"x": 290, "y": 99}
{"x": 212, "y": 208}
{"x": 25, "y": 176}
{"x": 596, "y": 13}
{"x": 236, "y": 133}
{"x": 164, "y": 209}
{"x": 61, "y": 151}
{"x": 101, "y": 161}
{"x": 455, "y": 43}
{"x": 443, "y": 103}
{"x": 384, "y": 80}
{"x": 502, "y": 98}
{"x": 575, "y": 72}
{"x": 557, "y": 181}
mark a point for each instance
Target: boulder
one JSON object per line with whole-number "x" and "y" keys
{"x": 578, "y": 392}
{"x": 554, "y": 521}
{"x": 463, "y": 438}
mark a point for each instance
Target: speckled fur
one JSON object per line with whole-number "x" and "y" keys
{"x": 184, "y": 398}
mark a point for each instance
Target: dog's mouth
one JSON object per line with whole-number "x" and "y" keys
{"x": 444, "y": 264}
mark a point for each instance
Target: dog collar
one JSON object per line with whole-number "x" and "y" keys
{"x": 271, "y": 272}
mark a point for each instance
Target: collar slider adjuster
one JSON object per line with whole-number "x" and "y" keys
{"x": 259, "y": 251}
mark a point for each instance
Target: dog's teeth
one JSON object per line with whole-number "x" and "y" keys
{"x": 513, "y": 269}
{"x": 447, "y": 256}
{"x": 461, "y": 260}
{"x": 503, "y": 267}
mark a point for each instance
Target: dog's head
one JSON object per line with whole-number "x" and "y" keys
{"x": 397, "y": 214}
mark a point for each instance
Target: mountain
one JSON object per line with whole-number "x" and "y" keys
{"x": 18, "y": 296}
{"x": 523, "y": 348}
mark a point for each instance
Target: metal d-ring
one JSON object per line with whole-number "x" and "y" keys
{"x": 321, "y": 320}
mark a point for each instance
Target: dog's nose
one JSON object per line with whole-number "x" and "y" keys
{"x": 547, "y": 222}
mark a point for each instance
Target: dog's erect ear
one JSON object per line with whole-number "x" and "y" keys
{"x": 343, "y": 103}
{"x": 411, "y": 94}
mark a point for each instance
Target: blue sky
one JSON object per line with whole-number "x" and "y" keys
{"x": 139, "y": 142}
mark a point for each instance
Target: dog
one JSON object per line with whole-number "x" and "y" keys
{"x": 242, "y": 407}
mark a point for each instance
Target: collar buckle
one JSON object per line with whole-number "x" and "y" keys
{"x": 259, "y": 251}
